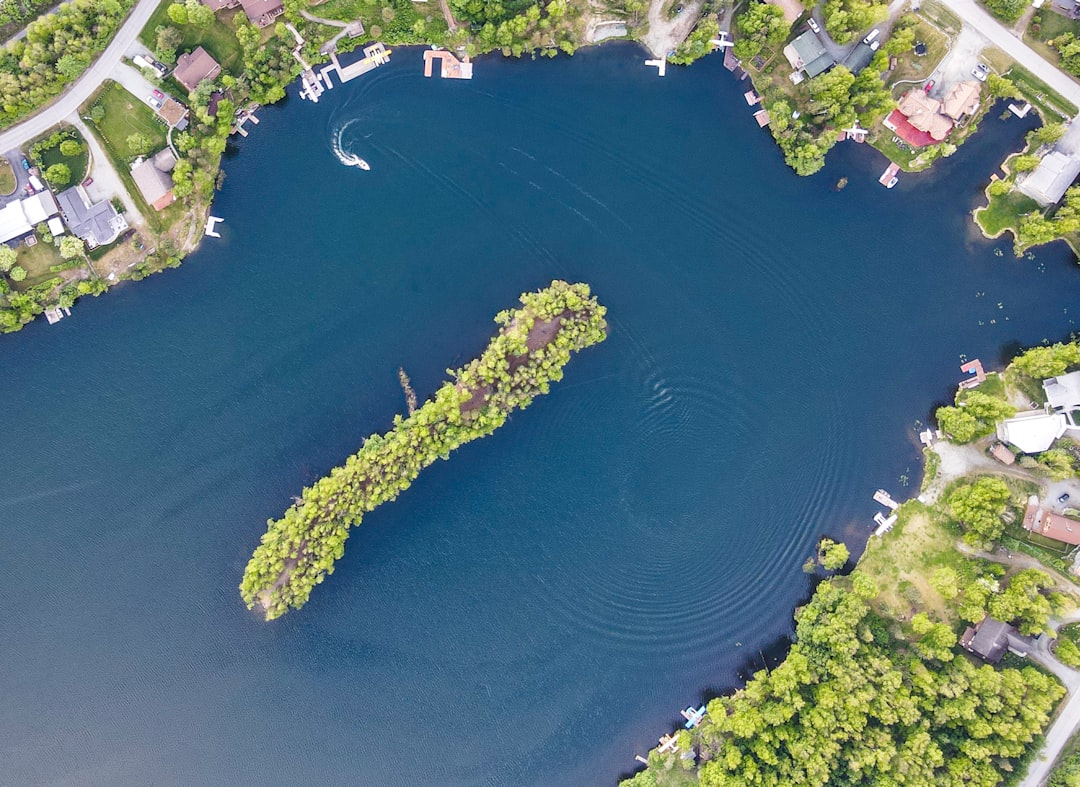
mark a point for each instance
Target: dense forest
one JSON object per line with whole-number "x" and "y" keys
{"x": 522, "y": 359}
{"x": 57, "y": 49}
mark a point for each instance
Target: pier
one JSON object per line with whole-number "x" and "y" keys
{"x": 889, "y": 177}
{"x": 975, "y": 374}
{"x": 316, "y": 83}
{"x": 450, "y": 68}
{"x": 211, "y": 222}
{"x": 693, "y": 716}
{"x": 883, "y": 497}
{"x": 661, "y": 65}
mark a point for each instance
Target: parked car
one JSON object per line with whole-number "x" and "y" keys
{"x": 25, "y": 164}
{"x": 981, "y": 72}
{"x": 928, "y": 86}
{"x": 1064, "y": 498}
{"x": 158, "y": 94}
{"x": 813, "y": 25}
{"x": 87, "y": 182}
{"x": 153, "y": 101}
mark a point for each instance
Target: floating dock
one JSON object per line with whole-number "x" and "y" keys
{"x": 661, "y": 65}
{"x": 209, "y": 231}
{"x": 883, "y": 525}
{"x": 693, "y": 716}
{"x": 315, "y": 84}
{"x": 889, "y": 176}
{"x": 883, "y": 497}
{"x": 976, "y": 374}
{"x": 669, "y": 743}
{"x": 450, "y": 68}
{"x": 56, "y": 314}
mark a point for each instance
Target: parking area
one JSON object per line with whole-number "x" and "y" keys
{"x": 15, "y": 158}
{"x": 963, "y": 57}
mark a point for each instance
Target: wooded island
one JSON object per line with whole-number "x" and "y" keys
{"x": 522, "y": 359}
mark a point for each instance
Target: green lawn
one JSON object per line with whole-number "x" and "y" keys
{"x": 1004, "y": 213}
{"x": 911, "y": 66}
{"x": 7, "y": 177}
{"x": 219, "y": 39}
{"x": 893, "y": 151}
{"x": 941, "y": 17}
{"x": 36, "y": 261}
{"x": 126, "y": 115}
{"x": 1039, "y": 94}
{"x": 77, "y": 164}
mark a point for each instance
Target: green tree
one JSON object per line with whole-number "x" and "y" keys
{"x": 70, "y": 247}
{"x": 8, "y": 256}
{"x": 958, "y": 423}
{"x": 17, "y": 274}
{"x": 168, "y": 39}
{"x": 178, "y": 14}
{"x": 1002, "y": 87}
{"x": 139, "y": 144}
{"x": 198, "y": 15}
{"x": 1048, "y": 361}
{"x": 1046, "y": 135}
{"x": 1023, "y": 602}
{"x": 979, "y": 507}
{"x": 58, "y": 175}
{"x": 832, "y": 555}
{"x": 1006, "y": 10}
{"x": 1024, "y": 163}
{"x": 69, "y": 147}
{"x": 936, "y": 640}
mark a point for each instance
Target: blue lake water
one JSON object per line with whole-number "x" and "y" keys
{"x": 536, "y": 610}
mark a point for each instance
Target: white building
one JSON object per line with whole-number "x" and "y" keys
{"x": 1033, "y": 433}
{"x": 19, "y": 217}
{"x": 1063, "y": 393}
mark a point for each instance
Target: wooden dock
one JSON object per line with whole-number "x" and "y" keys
{"x": 450, "y": 67}
{"x": 883, "y": 497}
{"x": 976, "y": 374}
{"x": 889, "y": 177}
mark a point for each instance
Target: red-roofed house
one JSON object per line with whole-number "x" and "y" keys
{"x": 899, "y": 125}
{"x": 1047, "y": 523}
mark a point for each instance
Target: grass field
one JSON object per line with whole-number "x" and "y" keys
{"x": 126, "y": 115}
{"x": 78, "y": 164}
{"x": 7, "y": 177}
{"x": 219, "y": 39}
{"x": 1039, "y": 94}
{"x": 1050, "y": 27}
{"x": 912, "y": 67}
{"x": 1004, "y": 213}
{"x": 36, "y": 261}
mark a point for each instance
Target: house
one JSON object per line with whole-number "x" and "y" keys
{"x": 924, "y": 113}
{"x": 1047, "y": 523}
{"x": 97, "y": 224}
{"x": 194, "y": 67}
{"x": 962, "y": 100}
{"x": 859, "y": 58}
{"x": 262, "y": 13}
{"x": 1063, "y": 393}
{"x": 153, "y": 179}
{"x": 219, "y": 5}
{"x": 174, "y": 113}
{"x": 807, "y": 53}
{"x": 1052, "y": 178}
{"x": 1034, "y": 432}
{"x": 990, "y": 638}
{"x": 1002, "y": 454}
{"x": 19, "y": 217}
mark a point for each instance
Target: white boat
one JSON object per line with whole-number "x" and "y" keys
{"x": 890, "y": 184}
{"x": 363, "y": 164}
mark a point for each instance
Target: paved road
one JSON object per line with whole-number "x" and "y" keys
{"x": 999, "y": 36}
{"x": 68, "y": 103}
{"x": 1064, "y": 725}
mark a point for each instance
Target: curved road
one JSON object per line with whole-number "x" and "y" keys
{"x": 69, "y": 101}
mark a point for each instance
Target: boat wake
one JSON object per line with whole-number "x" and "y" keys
{"x": 346, "y": 157}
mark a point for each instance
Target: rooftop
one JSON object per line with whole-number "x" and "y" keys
{"x": 153, "y": 179}
{"x": 899, "y": 124}
{"x": 97, "y": 224}
{"x": 262, "y": 12}
{"x": 807, "y": 53}
{"x": 1063, "y": 392}
{"x": 1049, "y": 524}
{"x": 193, "y": 67}
{"x": 1050, "y": 180}
{"x": 172, "y": 111}
{"x": 962, "y": 100}
{"x": 1032, "y": 433}
{"x": 991, "y": 638}
{"x": 19, "y": 217}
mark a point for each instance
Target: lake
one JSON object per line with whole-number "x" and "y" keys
{"x": 536, "y": 610}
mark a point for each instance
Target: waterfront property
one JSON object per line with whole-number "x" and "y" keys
{"x": 174, "y": 114}
{"x": 976, "y": 375}
{"x": 450, "y": 67}
{"x": 1063, "y": 392}
{"x": 1050, "y": 524}
{"x": 1033, "y": 433}
{"x": 1052, "y": 178}
{"x": 260, "y": 13}
{"x": 194, "y": 67}
{"x": 97, "y": 224}
{"x": 153, "y": 179}
{"x": 990, "y": 639}
{"x": 19, "y": 217}
{"x": 807, "y": 54}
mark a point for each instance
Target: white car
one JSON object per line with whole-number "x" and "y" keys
{"x": 154, "y": 101}
{"x": 813, "y": 25}
{"x": 980, "y": 72}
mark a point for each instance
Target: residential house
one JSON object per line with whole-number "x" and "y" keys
{"x": 1063, "y": 392}
{"x": 1052, "y": 178}
{"x": 1047, "y": 523}
{"x": 807, "y": 53}
{"x": 96, "y": 223}
{"x": 174, "y": 113}
{"x": 963, "y": 100}
{"x": 218, "y": 5}
{"x": 19, "y": 217}
{"x": 194, "y": 67}
{"x": 859, "y": 58}
{"x": 917, "y": 119}
{"x": 1033, "y": 432}
{"x": 153, "y": 179}
{"x": 262, "y": 13}
{"x": 1002, "y": 454}
{"x": 990, "y": 638}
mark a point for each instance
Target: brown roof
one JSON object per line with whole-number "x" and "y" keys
{"x": 172, "y": 111}
{"x": 193, "y": 67}
{"x": 991, "y": 638}
{"x": 262, "y": 12}
{"x": 962, "y": 100}
{"x": 923, "y": 113}
{"x": 1002, "y": 454}
{"x": 217, "y": 5}
{"x": 153, "y": 179}
{"x": 1049, "y": 524}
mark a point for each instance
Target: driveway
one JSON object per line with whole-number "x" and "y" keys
{"x": 957, "y": 64}
{"x": 1063, "y": 727}
{"x": 134, "y": 82}
{"x": 107, "y": 183}
{"x": 665, "y": 34}
{"x": 68, "y": 103}
{"x": 22, "y": 178}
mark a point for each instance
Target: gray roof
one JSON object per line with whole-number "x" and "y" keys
{"x": 1050, "y": 180}
{"x": 152, "y": 177}
{"x": 812, "y": 53}
{"x": 859, "y": 58}
{"x": 991, "y": 638}
{"x": 1063, "y": 393}
{"x": 97, "y": 224}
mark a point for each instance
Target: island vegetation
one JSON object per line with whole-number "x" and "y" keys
{"x": 527, "y": 354}
{"x": 875, "y": 688}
